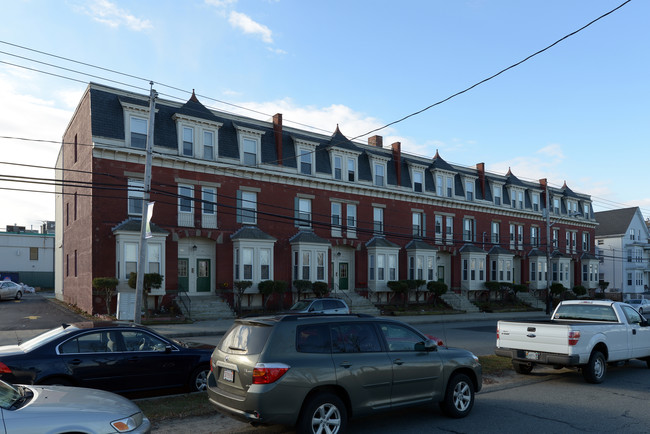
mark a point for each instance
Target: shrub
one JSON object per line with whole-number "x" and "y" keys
{"x": 399, "y": 287}
{"x": 579, "y": 290}
{"x": 519, "y": 288}
{"x": 150, "y": 281}
{"x": 557, "y": 289}
{"x": 437, "y": 289}
{"x": 320, "y": 289}
{"x": 302, "y": 286}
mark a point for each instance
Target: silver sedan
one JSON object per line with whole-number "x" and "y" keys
{"x": 10, "y": 290}
{"x": 57, "y": 409}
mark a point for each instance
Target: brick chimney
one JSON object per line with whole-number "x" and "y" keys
{"x": 480, "y": 168}
{"x": 277, "y": 133}
{"x": 397, "y": 157}
{"x": 377, "y": 141}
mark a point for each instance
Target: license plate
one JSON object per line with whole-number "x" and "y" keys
{"x": 532, "y": 355}
{"x": 228, "y": 375}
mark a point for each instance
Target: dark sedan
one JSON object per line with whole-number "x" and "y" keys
{"x": 118, "y": 357}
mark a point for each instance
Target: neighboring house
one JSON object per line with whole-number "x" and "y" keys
{"x": 27, "y": 257}
{"x": 243, "y": 199}
{"x": 623, "y": 249}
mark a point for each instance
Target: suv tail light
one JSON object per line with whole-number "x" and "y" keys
{"x": 574, "y": 337}
{"x": 267, "y": 373}
{"x": 4, "y": 369}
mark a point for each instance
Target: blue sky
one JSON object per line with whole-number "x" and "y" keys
{"x": 579, "y": 112}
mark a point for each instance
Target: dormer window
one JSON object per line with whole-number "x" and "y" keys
{"x": 380, "y": 173}
{"x": 138, "y": 132}
{"x": 469, "y": 190}
{"x": 188, "y": 142}
{"x": 444, "y": 184}
{"x": 337, "y": 167}
{"x": 556, "y": 205}
{"x": 535, "y": 197}
{"x": 418, "y": 180}
{"x": 250, "y": 145}
{"x": 517, "y": 198}
{"x": 305, "y": 161}
{"x": 197, "y": 138}
{"x": 352, "y": 170}
{"x": 496, "y": 193}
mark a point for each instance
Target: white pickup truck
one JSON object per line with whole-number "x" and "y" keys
{"x": 582, "y": 334}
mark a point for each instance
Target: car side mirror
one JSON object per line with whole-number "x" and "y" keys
{"x": 428, "y": 345}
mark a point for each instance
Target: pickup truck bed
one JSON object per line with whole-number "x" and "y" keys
{"x": 616, "y": 333}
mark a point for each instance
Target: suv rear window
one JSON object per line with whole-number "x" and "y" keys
{"x": 245, "y": 339}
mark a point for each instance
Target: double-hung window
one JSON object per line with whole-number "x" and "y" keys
{"x": 186, "y": 205}
{"x": 338, "y": 167}
{"x": 418, "y": 180}
{"x": 352, "y": 170}
{"x": 379, "y": 174}
{"x": 188, "y": 142}
{"x": 449, "y": 230}
{"x": 496, "y": 233}
{"x": 136, "y": 196}
{"x": 336, "y": 219}
{"x": 209, "y": 207}
{"x": 305, "y": 161}
{"x": 450, "y": 186}
{"x": 351, "y": 211}
{"x": 250, "y": 151}
{"x": 418, "y": 224}
{"x": 438, "y": 229}
{"x": 468, "y": 229}
{"x": 138, "y": 132}
{"x": 534, "y": 236}
{"x": 440, "y": 187}
{"x": 208, "y": 145}
{"x": 497, "y": 195}
{"x": 304, "y": 212}
{"x": 378, "y": 220}
{"x": 469, "y": 190}
{"x": 535, "y": 201}
{"x": 247, "y": 207}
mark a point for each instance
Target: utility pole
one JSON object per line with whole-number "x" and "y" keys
{"x": 549, "y": 300}
{"x": 142, "y": 248}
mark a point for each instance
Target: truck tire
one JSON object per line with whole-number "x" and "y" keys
{"x": 522, "y": 368}
{"x": 594, "y": 371}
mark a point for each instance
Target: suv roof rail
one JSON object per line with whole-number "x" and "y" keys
{"x": 296, "y": 316}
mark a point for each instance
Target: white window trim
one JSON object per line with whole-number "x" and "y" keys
{"x": 124, "y": 237}
{"x": 256, "y": 245}
{"x": 314, "y": 250}
{"x": 198, "y": 126}
{"x": 252, "y": 134}
{"x": 380, "y": 284}
{"x": 135, "y": 110}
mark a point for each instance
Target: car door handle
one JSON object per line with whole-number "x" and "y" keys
{"x": 75, "y": 362}
{"x": 398, "y": 361}
{"x": 633, "y": 331}
{"x": 345, "y": 364}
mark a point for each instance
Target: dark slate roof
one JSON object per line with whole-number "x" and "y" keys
{"x": 134, "y": 225}
{"x": 614, "y": 222}
{"x": 307, "y": 236}
{"x": 567, "y": 192}
{"x": 364, "y": 168}
{"x": 498, "y": 250}
{"x": 557, "y": 254}
{"x": 251, "y": 233}
{"x": 471, "y": 248}
{"x": 193, "y": 107}
{"x": 588, "y": 256}
{"x": 536, "y": 252}
{"x": 439, "y": 163}
{"x": 419, "y": 245}
{"x": 381, "y": 242}
{"x": 511, "y": 179}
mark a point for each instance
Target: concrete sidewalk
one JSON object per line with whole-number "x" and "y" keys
{"x": 219, "y": 327}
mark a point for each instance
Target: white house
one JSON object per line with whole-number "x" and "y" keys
{"x": 623, "y": 249}
{"x": 27, "y": 257}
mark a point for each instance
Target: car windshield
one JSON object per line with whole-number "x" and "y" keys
{"x": 8, "y": 395}
{"x": 634, "y": 301}
{"x": 301, "y": 305}
{"x": 44, "y": 338}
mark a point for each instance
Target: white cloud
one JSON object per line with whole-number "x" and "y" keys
{"x": 553, "y": 150}
{"x": 108, "y": 13}
{"x": 247, "y": 25}
{"x": 220, "y": 3}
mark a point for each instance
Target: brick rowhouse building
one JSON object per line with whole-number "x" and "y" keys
{"x": 242, "y": 199}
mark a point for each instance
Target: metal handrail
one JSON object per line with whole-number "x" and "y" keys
{"x": 188, "y": 306}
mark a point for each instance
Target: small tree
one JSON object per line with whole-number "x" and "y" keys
{"x": 320, "y": 289}
{"x": 557, "y": 289}
{"x": 302, "y": 286}
{"x": 492, "y": 287}
{"x": 240, "y": 287}
{"x": 150, "y": 281}
{"x": 579, "y": 290}
{"x": 105, "y": 286}
{"x": 437, "y": 289}
{"x": 399, "y": 287}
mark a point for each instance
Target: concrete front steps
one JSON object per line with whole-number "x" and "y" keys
{"x": 458, "y": 302}
{"x": 531, "y": 300}
{"x": 356, "y": 302}
{"x": 206, "y": 307}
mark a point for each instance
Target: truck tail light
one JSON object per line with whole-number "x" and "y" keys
{"x": 267, "y": 373}
{"x": 4, "y": 369}
{"x": 574, "y": 337}
{"x": 497, "y": 333}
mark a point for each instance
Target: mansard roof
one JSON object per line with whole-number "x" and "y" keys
{"x": 440, "y": 164}
{"x": 419, "y": 245}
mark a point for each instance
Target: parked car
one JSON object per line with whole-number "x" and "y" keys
{"x": 59, "y": 409}
{"x": 320, "y": 305}
{"x": 113, "y": 356}
{"x": 315, "y": 371}
{"x": 10, "y": 290}
{"x": 640, "y": 304}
